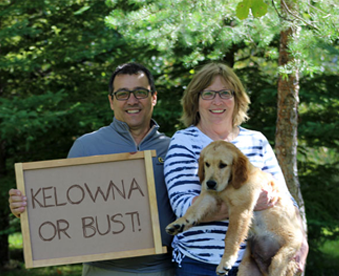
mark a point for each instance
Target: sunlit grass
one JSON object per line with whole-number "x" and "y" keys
{"x": 15, "y": 241}
{"x": 331, "y": 248}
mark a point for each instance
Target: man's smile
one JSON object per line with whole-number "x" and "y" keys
{"x": 133, "y": 111}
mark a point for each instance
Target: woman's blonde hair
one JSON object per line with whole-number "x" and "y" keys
{"x": 202, "y": 79}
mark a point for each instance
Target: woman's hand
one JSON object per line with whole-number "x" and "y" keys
{"x": 301, "y": 255}
{"x": 17, "y": 202}
{"x": 267, "y": 199}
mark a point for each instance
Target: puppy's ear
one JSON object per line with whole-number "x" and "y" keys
{"x": 240, "y": 171}
{"x": 201, "y": 169}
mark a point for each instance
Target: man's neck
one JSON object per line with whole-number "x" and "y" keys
{"x": 139, "y": 134}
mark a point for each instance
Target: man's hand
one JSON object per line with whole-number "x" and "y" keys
{"x": 17, "y": 202}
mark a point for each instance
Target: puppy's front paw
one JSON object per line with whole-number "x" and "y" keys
{"x": 174, "y": 228}
{"x": 221, "y": 270}
{"x": 226, "y": 265}
{"x": 179, "y": 226}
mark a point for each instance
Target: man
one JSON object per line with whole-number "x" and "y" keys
{"x": 132, "y": 97}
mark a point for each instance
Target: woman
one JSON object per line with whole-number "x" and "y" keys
{"x": 214, "y": 105}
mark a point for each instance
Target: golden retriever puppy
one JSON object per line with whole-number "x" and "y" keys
{"x": 273, "y": 235}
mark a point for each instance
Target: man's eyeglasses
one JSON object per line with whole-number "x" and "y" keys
{"x": 123, "y": 95}
{"x": 210, "y": 94}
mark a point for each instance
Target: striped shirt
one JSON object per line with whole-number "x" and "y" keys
{"x": 205, "y": 242}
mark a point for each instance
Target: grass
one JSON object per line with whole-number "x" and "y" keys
{"x": 331, "y": 253}
{"x": 15, "y": 241}
{"x": 331, "y": 248}
{"x": 329, "y": 265}
{"x": 16, "y": 266}
{"x": 324, "y": 261}
{"x": 19, "y": 270}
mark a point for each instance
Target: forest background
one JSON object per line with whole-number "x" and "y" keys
{"x": 56, "y": 58}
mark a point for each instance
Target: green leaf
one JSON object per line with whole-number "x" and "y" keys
{"x": 83, "y": 9}
{"x": 243, "y": 9}
{"x": 259, "y": 8}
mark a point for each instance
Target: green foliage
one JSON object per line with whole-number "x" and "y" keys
{"x": 207, "y": 30}
{"x": 319, "y": 111}
{"x": 320, "y": 191}
{"x": 321, "y": 205}
{"x": 56, "y": 59}
{"x": 258, "y": 7}
{"x": 53, "y": 68}
{"x": 26, "y": 116}
{"x": 167, "y": 25}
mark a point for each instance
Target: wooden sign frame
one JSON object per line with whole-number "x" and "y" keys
{"x": 36, "y": 252}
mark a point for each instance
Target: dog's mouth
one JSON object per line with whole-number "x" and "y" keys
{"x": 230, "y": 179}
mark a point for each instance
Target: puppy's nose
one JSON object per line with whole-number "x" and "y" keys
{"x": 211, "y": 184}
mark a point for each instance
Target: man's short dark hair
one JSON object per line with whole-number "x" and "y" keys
{"x": 131, "y": 68}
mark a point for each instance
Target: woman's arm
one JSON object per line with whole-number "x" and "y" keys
{"x": 182, "y": 181}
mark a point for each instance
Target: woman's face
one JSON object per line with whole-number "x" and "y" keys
{"x": 218, "y": 110}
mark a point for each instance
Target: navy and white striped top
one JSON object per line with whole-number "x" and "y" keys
{"x": 205, "y": 242}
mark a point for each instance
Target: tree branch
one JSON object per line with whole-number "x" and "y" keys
{"x": 296, "y": 16}
{"x": 276, "y": 10}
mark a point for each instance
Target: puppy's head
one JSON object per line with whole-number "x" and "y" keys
{"x": 220, "y": 164}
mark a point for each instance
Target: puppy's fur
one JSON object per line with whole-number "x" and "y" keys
{"x": 274, "y": 235}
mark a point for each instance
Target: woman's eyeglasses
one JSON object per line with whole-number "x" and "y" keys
{"x": 223, "y": 94}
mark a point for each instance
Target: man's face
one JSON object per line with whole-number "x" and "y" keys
{"x": 136, "y": 113}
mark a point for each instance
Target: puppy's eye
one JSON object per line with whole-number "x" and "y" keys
{"x": 222, "y": 165}
{"x": 207, "y": 164}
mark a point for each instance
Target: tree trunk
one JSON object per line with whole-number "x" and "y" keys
{"x": 4, "y": 221}
{"x": 286, "y": 139}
